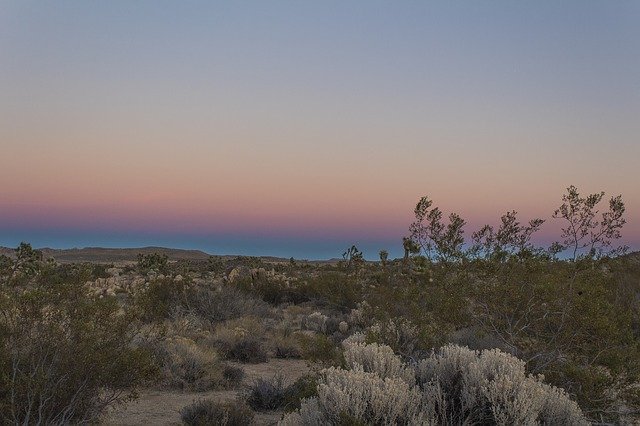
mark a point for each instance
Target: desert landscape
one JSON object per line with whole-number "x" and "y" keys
{"x": 492, "y": 330}
{"x": 319, "y": 213}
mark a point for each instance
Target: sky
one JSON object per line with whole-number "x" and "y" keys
{"x": 298, "y": 128}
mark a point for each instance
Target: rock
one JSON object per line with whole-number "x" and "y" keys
{"x": 178, "y": 278}
{"x": 238, "y": 272}
{"x": 233, "y": 275}
{"x": 258, "y": 275}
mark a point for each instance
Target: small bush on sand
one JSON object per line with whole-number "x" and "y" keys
{"x": 232, "y": 375}
{"x": 223, "y": 303}
{"x": 186, "y": 365}
{"x": 272, "y": 394}
{"x": 158, "y": 299}
{"x": 241, "y": 340}
{"x": 212, "y": 413}
{"x": 319, "y": 348}
{"x": 287, "y": 347}
{"x": 248, "y": 349}
{"x": 267, "y": 394}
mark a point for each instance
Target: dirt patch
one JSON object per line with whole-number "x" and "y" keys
{"x": 160, "y": 407}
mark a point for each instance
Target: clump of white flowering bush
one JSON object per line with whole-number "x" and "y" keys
{"x": 455, "y": 385}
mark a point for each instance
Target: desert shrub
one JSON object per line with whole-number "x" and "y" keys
{"x": 570, "y": 322}
{"x": 248, "y": 349}
{"x": 490, "y": 385}
{"x": 241, "y": 340}
{"x": 361, "y": 316}
{"x": 398, "y": 333}
{"x": 65, "y": 357}
{"x": 453, "y": 386}
{"x": 334, "y": 289}
{"x": 187, "y": 366}
{"x": 377, "y": 359}
{"x": 223, "y": 303}
{"x": 319, "y": 348}
{"x": 212, "y": 413}
{"x": 152, "y": 262}
{"x": 267, "y": 394}
{"x": 316, "y": 321}
{"x": 232, "y": 375}
{"x": 287, "y": 347}
{"x": 304, "y": 387}
{"x": 359, "y": 396}
{"x": 158, "y": 299}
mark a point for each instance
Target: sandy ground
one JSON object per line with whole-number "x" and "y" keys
{"x": 160, "y": 407}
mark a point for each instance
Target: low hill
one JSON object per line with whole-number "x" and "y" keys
{"x": 100, "y": 254}
{"x": 115, "y": 255}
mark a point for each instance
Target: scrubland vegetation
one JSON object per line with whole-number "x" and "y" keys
{"x": 490, "y": 330}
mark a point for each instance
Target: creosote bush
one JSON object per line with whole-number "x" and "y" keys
{"x": 65, "y": 356}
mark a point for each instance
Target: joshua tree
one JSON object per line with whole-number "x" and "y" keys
{"x": 353, "y": 257}
{"x": 384, "y": 255}
{"x": 410, "y": 248}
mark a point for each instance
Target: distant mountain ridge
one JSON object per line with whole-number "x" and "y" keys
{"x": 101, "y": 254}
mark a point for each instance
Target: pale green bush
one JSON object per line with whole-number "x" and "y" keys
{"x": 492, "y": 386}
{"x": 362, "y": 396}
{"x": 398, "y": 333}
{"x": 455, "y": 385}
{"x": 377, "y": 359}
{"x": 316, "y": 321}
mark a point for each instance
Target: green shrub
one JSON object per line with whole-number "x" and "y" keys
{"x": 65, "y": 357}
{"x": 159, "y": 298}
{"x": 304, "y": 387}
{"x": 319, "y": 348}
{"x": 155, "y": 262}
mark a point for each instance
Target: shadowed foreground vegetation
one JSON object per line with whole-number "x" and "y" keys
{"x": 553, "y": 334}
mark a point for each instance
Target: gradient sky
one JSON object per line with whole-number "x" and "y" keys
{"x": 296, "y": 128}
